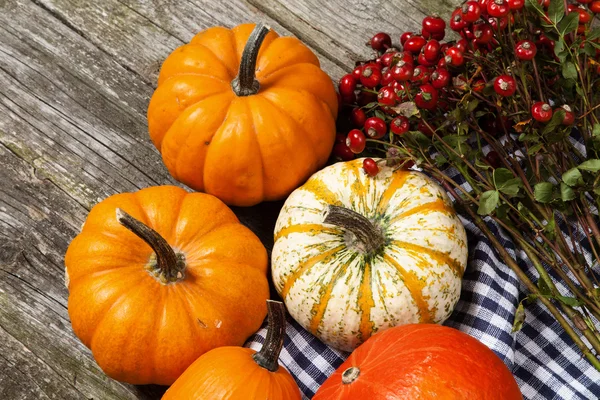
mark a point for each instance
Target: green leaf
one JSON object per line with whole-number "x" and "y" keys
{"x": 543, "y": 192}
{"x": 559, "y": 50}
{"x": 596, "y": 130}
{"x": 502, "y": 211}
{"x": 593, "y": 34}
{"x": 572, "y": 177}
{"x": 566, "y": 192}
{"x": 440, "y": 160}
{"x": 472, "y": 105}
{"x": 488, "y": 202}
{"x": 557, "y": 119}
{"x": 597, "y": 191}
{"x": 535, "y": 148}
{"x": 534, "y": 5}
{"x": 380, "y": 114}
{"x": 590, "y": 165}
{"x": 407, "y": 109}
{"x": 589, "y": 50}
{"x": 568, "y": 24}
{"x": 506, "y": 182}
{"x": 529, "y": 137}
{"x": 519, "y": 318}
{"x": 570, "y": 301}
{"x": 426, "y": 96}
{"x": 371, "y": 105}
{"x": 419, "y": 138}
{"x": 556, "y": 11}
{"x": 543, "y": 286}
{"x": 568, "y": 70}
{"x": 550, "y": 228}
{"x": 594, "y": 44}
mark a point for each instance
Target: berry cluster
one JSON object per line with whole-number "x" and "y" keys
{"x": 504, "y": 59}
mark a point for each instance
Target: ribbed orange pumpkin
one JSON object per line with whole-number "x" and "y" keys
{"x": 249, "y": 136}
{"x": 159, "y": 277}
{"x": 237, "y": 373}
{"x": 421, "y": 362}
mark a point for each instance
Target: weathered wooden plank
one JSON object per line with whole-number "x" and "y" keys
{"x": 340, "y": 28}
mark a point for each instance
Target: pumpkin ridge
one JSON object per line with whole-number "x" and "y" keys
{"x": 320, "y": 306}
{"x": 321, "y": 192}
{"x": 366, "y": 303}
{"x": 260, "y": 154}
{"x": 305, "y": 266}
{"x": 398, "y": 180}
{"x": 315, "y": 228}
{"x": 179, "y": 75}
{"x": 227, "y": 67}
{"x": 415, "y": 286}
{"x": 438, "y": 205}
{"x": 436, "y": 255}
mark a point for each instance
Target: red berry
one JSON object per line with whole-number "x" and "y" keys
{"x": 459, "y": 83}
{"x": 581, "y": 29}
{"x": 356, "y": 141}
{"x": 569, "y": 118}
{"x": 584, "y": 1}
{"x": 387, "y": 96}
{"x": 342, "y": 152}
{"x": 402, "y": 71}
{"x": 381, "y": 41}
{"x": 405, "y": 36}
{"x": 386, "y": 77}
{"x": 454, "y": 57}
{"x": 498, "y": 8}
{"x": 420, "y": 75}
{"x": 358, "y": 117}
{"x": 483, "y": 5}
{"x": 457, "y": 24}
{"x": 357, "y": 72}
{"x": 436, "y": 36}
{"x": 425, "y": 128}
{"x": 347, "y": 85}
{"x": 478, "y": 85}
{"x": 400, "y": 125}
{"x": 370, "y": 167}
{"x": 584, "y": 16}
{"x": 421, "y": 60}
{"x": 387, "y": 58}
{"x": 427, "y": 97}
{"x": 365, "y": 98}
{"x": 414, "y": 44}
{"x": 431, "y": 50}
{"x": 349, "y": 99}
{"x": 375, "y": 127}
{"x": 546, "y": 42}
{"x": 541, "y": 111}
{"x": 434, "y": 24}
{"x": 440, "y": 78}
{"x": 595, "y": 7}
{"x": 495, "y": 21}
{"x": 525, "y": 50}
{"x": 544, "y": 3}
{"x": 471, "y": 11}
{"x": 483, "y": 33}
{"x": 370, "y": 77}
{"x": 505, "y": 85}
{"x": 516, "y": 4}
{"x": 461, "y": 45}
{"x": 493, "y": 158}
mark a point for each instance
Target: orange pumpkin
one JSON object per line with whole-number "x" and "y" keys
{"x": 245, "y": 136}
{"x": 421, "y": 361}
{"x": 237, "y": 373}
{"x": 158, "y": 277}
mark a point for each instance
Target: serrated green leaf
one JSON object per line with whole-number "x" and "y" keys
{"x": 568, "y": 24}
{"x": 590, "y": 165}
{"x": 572, "y": 177}
{"x": 488, "y": 202}
{"x": 534, "y": 5}
{"x": 543, "y": 286}
{"x": 543, "y": 192}
{"x": 559, "y": 50}
{"x": 519, "y": 318}
{"x": 566, "y": 192}
{"x": 371, "y": 105}
{"x": 557, "y": 119}
{"x": 556, "y": 10}
{"x": 568, "y": 70}
{"x": 501, "y": 176}
{"x": 593, "y": 34}
{"x": 570, "y": 301}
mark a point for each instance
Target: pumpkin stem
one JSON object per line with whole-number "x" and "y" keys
{"x": 268, "y": 356}
{"x": 350, "y": 375}
{"x": 368, "y": 237}
{"x": 169, "y": 265}
{"x": 245, "y": 83}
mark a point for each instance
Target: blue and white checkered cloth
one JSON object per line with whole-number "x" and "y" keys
{"x": 544, "y": 360}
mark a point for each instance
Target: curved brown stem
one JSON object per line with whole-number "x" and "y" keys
{"x": 170, "y": 265}
{"x": 268, "y": 356}
{"x": 245, "y": 83}
{"x": 369, "y": 237}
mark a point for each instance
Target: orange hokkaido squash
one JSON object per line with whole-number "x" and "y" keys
{"x": 158, "y": 277}
{"x": 238, "y": 373}
{"x": 243, "y": 114}
{"x": 421, "y": 362}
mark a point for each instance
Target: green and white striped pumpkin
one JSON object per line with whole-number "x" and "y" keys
{"x": 354, "y": 255}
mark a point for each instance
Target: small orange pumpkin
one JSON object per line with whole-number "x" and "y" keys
{"x": 421, "y": 361}
{"x": 238, "y": 373}
{"x": 243, "y": 114}
{"x": 158, "y": 277}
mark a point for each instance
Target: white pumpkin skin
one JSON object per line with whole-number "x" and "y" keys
{"x": 343, "y": 294}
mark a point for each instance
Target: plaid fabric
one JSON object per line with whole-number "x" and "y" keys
{"x": 544, "y": 360}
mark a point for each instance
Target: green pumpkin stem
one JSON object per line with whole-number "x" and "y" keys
{"x": 268, "y": 356}
{"x": 245, "y": 83}
{"x": 367, "y": 236}
{"x": 170, "y": 264}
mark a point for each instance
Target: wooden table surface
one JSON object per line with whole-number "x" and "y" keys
{"x": 75, "y": 80}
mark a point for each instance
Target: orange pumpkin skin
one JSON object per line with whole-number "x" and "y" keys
{"x": 230, "y": 373}
{"x": 142, "y": 330}
{"x": 242, "y": 149}
{"x": 421, "y": 361}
